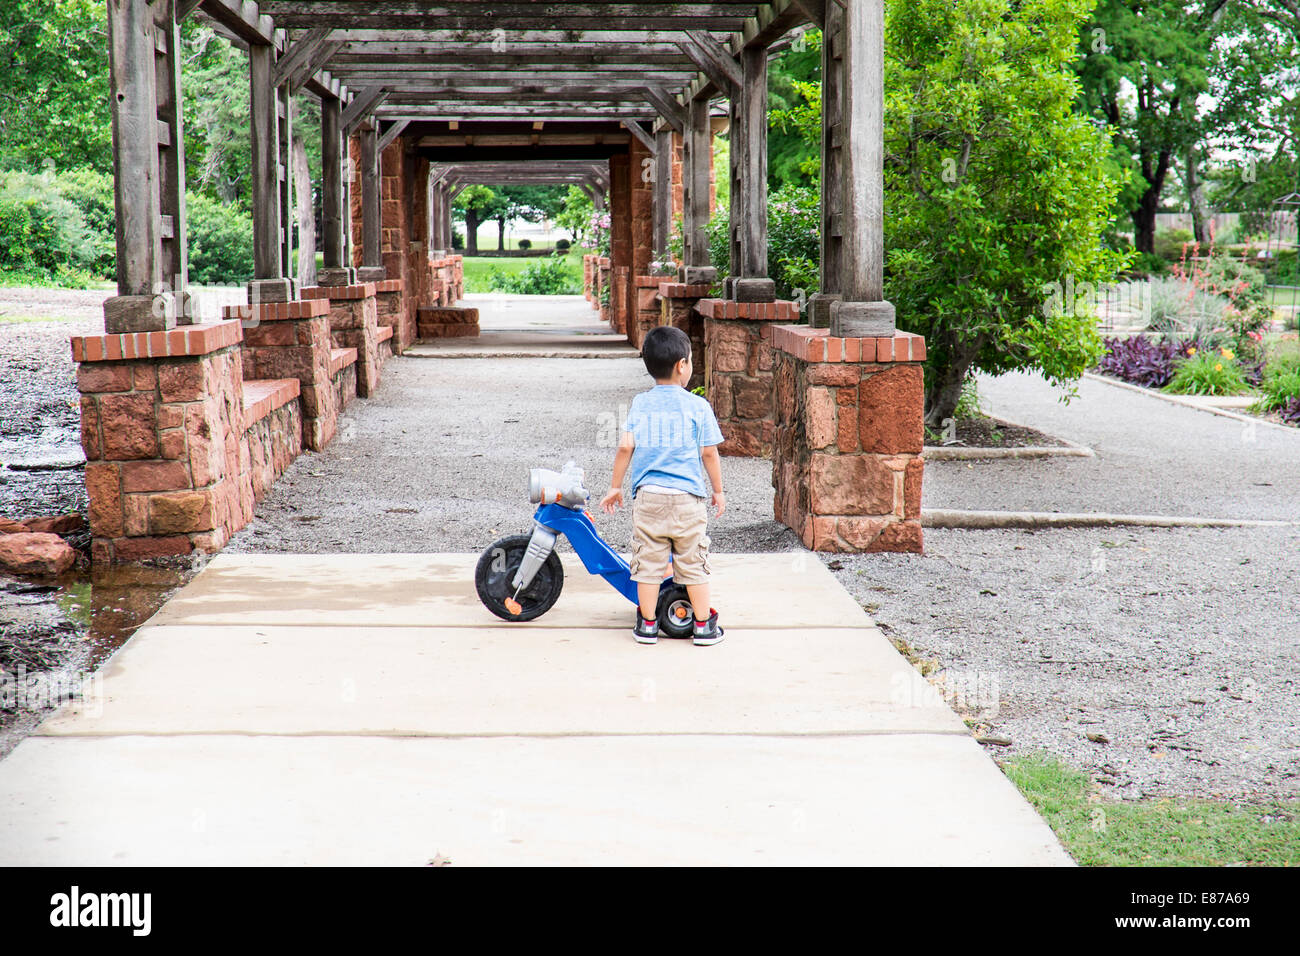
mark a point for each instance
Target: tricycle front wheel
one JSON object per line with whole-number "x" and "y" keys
{"x": 496, "y": 570}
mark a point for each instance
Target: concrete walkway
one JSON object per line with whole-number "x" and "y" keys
{"x": 366, "y": 709}
{"x": 532, "y": 326}
{"x": 1152, "y": 457}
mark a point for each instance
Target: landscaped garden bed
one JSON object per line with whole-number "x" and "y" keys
{"x": 1207, "y": 331}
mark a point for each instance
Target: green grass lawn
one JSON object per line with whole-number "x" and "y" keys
{"x": 477, "y": 268}
{"x": 1098, "y": 831}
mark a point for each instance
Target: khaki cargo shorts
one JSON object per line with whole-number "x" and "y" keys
{"x": 669, "y": 524}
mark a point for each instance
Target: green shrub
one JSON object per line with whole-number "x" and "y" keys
{"x": 457, "y": 239}
{"x": 92, "y": 193}
{"x": 1208, "y": 372}
{"x": 1147, "y": 264}
{"x": 793, "y": 240}
{"x": 562, "y": 245}
{"x": 1281, "y": 384}
{"x": 550, "y": 276}
{"x": 525, "y": 243}
{"x": 220, "y": 242}
{"x": 41, "y": 232}
{"x": 1169, "y": 243}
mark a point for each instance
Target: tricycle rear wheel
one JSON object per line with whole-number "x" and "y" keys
{"x": 674, "y": 612}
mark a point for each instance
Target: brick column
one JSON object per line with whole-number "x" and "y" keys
{"x": 603, "y": 279}
{"x": 648, "y": 311}
{"x": 738, "y": 370}
{"x": 162, "y": 425}
{"x": 390, "y": 310}
{"x": 292, "y": 340}
{"x": 847, "y": 464}
{"x": 677, "y": 307}
{"x": 588, "y": 284}
{"x": 354, "y": 324}
{"x": 619, "y": 297}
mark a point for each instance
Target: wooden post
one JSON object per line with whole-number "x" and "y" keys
{"x": 337, "y": 269}
{"x": 819, "y": 305}
{"x": 269, "y": 283}
{"x": 135, "y": 171}
{"x": 371, "y": 253}
{"x": 697, "y": 162}
{"x": 171, "y": 160}
{"x": 863, "y": 311}
{"x": 663, "y": 192}
{"x": 751, "y": 283}
{"x": 284, "y": 170}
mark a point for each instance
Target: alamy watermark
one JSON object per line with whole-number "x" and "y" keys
{"x": 38, "y": 690}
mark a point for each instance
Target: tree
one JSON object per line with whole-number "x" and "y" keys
{"x": 996, "y": 192}
{"x": 1143, "y": 65}
{"x": 477, "y": 204}
{"x": 53, "y": 102}
{"x": 575, "y": 215}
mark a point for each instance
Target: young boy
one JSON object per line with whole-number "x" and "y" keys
{"x": 670, "y": 439}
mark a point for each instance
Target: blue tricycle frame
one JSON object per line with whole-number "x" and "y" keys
{"x": 528, "y": 567}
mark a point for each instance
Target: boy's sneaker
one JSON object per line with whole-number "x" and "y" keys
{"x": 645, "y": 632}
{"x": 708, "y": 632}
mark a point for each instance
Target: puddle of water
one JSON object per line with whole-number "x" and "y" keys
{"x": 92, "y": 615}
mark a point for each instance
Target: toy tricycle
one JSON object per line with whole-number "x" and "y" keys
{"x": 520, "y": 576}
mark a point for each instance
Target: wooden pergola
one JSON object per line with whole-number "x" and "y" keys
{"x": 530, "y": 91}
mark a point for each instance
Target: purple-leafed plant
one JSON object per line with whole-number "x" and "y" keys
{"x": 1141, "y": 361}
{"x": 1290, "y": 412}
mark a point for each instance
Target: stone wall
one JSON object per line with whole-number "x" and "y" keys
{"x": 677, "y": 307}
{"x": 173, "y": 451}
{"x": 847, "y": 466}
{"x": 354, "y": 324}
{"x": 738, "y": 362}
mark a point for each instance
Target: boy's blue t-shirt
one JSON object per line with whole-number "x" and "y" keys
{"x": 670, "y": 426}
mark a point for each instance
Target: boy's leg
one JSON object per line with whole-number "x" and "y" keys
{"x": 648, "y": 597}
{"x": 699, "y": 595}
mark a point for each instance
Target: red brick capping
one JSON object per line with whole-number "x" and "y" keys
{"x": 816, "y": 345}
{"x": 363, "y": 291}
{"x": 647, "y": 282}
{"x": 383, "y": 333}
{"x": 341, "y": 358}
{"x": 263, "y": 396}
{"x": 782, "y": 311}
{"x": 189, "y": 340}
{"x": 278, "y": 311}
{"x": 389, "y": 285}
{"x": 678, "y": 290}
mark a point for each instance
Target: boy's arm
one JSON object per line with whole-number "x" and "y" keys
{"x": 622, "y": 458}
{"x": 713, "y": 465}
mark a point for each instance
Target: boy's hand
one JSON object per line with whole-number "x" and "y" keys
{"x": 720, "y": 502}
{"x": 613, "y": 497}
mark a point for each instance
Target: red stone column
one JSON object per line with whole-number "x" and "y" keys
{"x": 847, "y": 464}
{"x": 641, "y": 228}
{"x": 648, "y": 312}
{"x": 354, "y": 324}
{"x": 292, "y": 340}
{"x": 738, "y": 363}
{"x": 162, "y": 426}
{"x": 677, "y": 307}
{"x": 390, "y": 310}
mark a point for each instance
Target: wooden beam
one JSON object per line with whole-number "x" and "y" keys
{"x": 715, "y": 59}
{"x": 517, "y": 16}
{"x": 671, "y": 111}
{"x": 185, "y": 7}
{"x": 647, "y": 139}
{"x": 394, "y": 130}
{"x": 814, "y": 10}
{"x": 300, "y": 54}
{"x": 363, "y": 104}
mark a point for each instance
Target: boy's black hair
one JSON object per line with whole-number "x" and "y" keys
{"x": 663, "y": 348}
